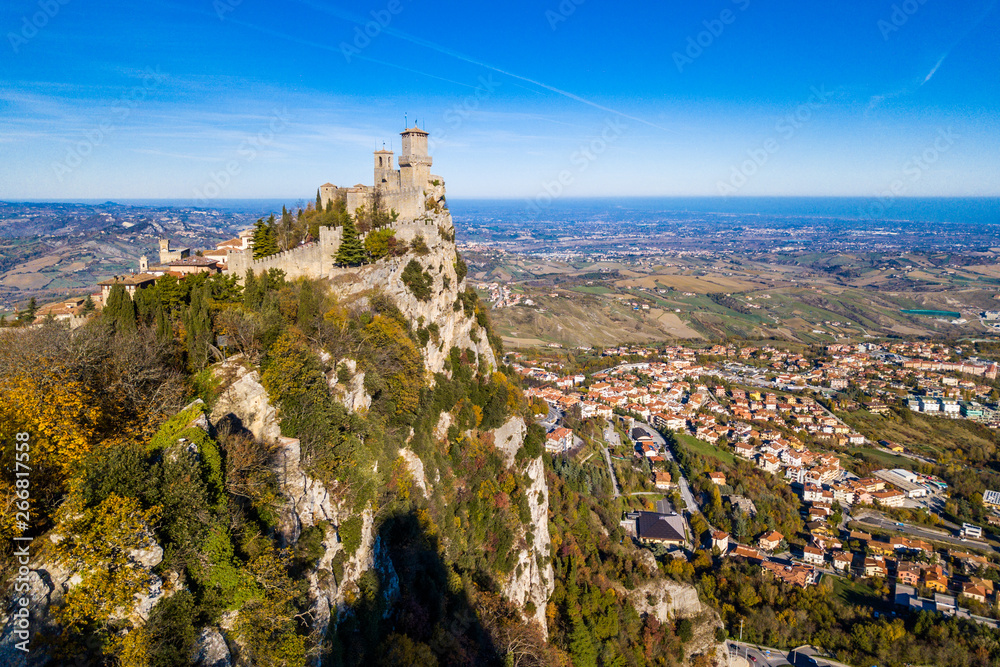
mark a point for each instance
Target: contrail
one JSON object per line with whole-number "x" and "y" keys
{"x": 327, "y": 47}
{"x": 472, "y": 61}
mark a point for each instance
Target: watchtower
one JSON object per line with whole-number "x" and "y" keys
{"x": 414, "y": 162}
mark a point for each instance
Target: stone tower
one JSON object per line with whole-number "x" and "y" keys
{"x": 143, "y": 264}
{"x": 385, "y": 173}
{"x": 414, "y": 162}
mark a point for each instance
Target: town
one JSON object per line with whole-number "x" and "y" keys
{"x": 701, "y": 426}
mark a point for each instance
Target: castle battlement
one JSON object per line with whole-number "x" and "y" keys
{"x": 316, "y": 259}
{"x": 417, "y": 196}
{"x": 403, "y": 189}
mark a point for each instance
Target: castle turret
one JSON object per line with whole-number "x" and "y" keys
{"x": 143, "y": 264}
{"x": 385, "y": 172}
{"x": 414, "y": 162}
{"x": 327, "y": 193}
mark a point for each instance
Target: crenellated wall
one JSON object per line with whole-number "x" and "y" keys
{"x": 316, "y": 260}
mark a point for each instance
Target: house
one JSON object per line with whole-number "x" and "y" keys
{"x": 195, "y": 264}
{"x": 973, "y": 592}
{"x": 908, "y": 574}
{"x": 559, "y": 440}
{"x": 653, "y": 527}
{"x": 795, "y": 575}
{"x": 875, "y": 567}
{"x": 662, "y": 480}
{"x": 745, "y": 505}
{"x": 746, "y": 552}
{"x": 720, "y": 539}
{"x": 842, "y": 560}
{"x": 717, "y": 478}
{"x": 935, "y": 579}
{"x": 767, "y": 462}
{"x": 813, "y": 555}
{"x": 891, "y": 498}
{"x": 743, "y": 449}
{"x": 771, "y": 540}
{"x": 131, "y": 283}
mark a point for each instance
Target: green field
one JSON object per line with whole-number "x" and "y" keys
{"x": 706, "y": 449}
{"x": 890, "y": 460}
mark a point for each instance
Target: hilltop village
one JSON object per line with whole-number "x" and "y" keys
{"x": 402, "y": 201}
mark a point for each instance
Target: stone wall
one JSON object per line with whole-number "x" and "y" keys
{"x": 316, "y": 260}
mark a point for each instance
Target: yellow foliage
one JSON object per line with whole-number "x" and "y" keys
{"x": 427, "y": 525}
{"x": 59, "y": 413}
{"x": 135, "y": 648}
{"x": 508, "y": 483}
{"x": 60, "y": 417}
{"x": 97, "y": 546}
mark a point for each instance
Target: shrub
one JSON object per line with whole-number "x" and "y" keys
{"x": 461, "y": 268}
{"x": 418, "y": 280}
{"x": 419, "y": 246}
{"x": 381, "y": 243}
{"x": 350, "y": 534}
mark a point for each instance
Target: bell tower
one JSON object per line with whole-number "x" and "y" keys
{"x": 385, "y": 172}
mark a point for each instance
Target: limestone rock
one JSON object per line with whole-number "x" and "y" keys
{"x": 416, "y": 468}
{"x": 445, "y": 420}
{"x": 666, "y": 599}
{"x": 212, "y": 650}
{"x": 533, "y": 579}
{"x": 309, "y": 502}
{"x": 352, "y": 395}
{"x": 246, "y": 400}
{"x": 509, "y": 437}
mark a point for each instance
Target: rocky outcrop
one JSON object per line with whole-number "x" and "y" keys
{"x": 454, "y": 328}
{"x": 212, "y": 650}
{"x": 416, "y": 469}
{"x": 509, "y": 438}
{"x": 351, "y": 394}
{"x": 308, "y": 501}
{"x": 533, "y": 579}
{"x": 47, "y": 583}
{"x": 246, "y": 399}
{"x": 667, "y": 600}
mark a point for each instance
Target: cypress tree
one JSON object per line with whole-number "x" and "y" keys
{"x": 265, "y": 242}
{"x": 164, "y": 330}
{"x": 253, "y": 292}
{"x": 119, "y": 312}
{"x": 351, "y": 251}
{"x": 88, "y": 306}
{"x": 319, "y": 202}
{"x": 197, "y": 330}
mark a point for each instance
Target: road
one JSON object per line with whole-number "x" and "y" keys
{"x": 804, "y": 656}
{"x": 682, "y": 483}
{"x": 926, "y": 533}
{"x": 609, "y": 433}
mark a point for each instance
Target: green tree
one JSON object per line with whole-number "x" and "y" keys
{"x": 119, "y": 311}
{"x": 197, "y": 330}
{"x": 381, "y": 243}
{"x": 265, "y": 242}
{"x": 351, "y": 251}
{"x": 418, "y": 280}
{"x": 88, "y": 305}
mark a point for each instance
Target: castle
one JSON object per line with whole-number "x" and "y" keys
{"x": 417, "y": 196}
{"x": 402, "y": 189}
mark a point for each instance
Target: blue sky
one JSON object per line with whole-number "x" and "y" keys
{"x": 246, "y": 98}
